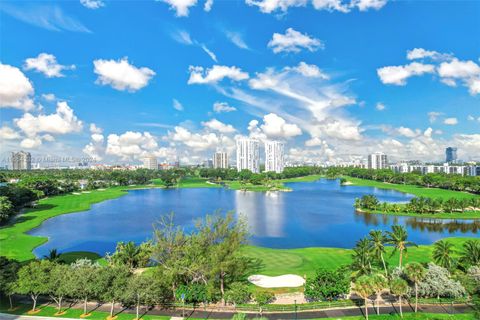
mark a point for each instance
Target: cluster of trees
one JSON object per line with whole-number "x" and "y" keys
{"x": 13, "y": 198}
{"x": 419, "y": 205}
{"x": 446, "y": 277}
{"x": 202, "y": 266}
{"x": 436, "y": 180}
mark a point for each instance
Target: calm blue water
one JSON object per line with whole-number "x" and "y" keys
{"x": 314, "y": 214}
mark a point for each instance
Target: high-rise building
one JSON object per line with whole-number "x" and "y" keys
{"x": 451, "y": 154}
{"x": 220, "y": 160}
{"x": 248, "y": 156}
{"x": 377, "y": 160}
{"x": 21, "y": 160}
{"x": 150, "y": 162}
{"x": 274, "y": 158}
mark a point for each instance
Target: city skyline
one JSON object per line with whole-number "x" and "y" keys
{"x": 197, "y": 80}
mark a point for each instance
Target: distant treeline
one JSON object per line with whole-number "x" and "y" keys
{"x": 430, "y": 180}
{"x": 419, "y": 205}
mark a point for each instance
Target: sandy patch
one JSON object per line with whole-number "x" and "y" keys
{"x": 283, "y": 281}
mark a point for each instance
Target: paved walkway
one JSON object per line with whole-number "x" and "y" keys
{"x": 332, "y": 313}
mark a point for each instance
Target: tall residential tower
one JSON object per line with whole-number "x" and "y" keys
{"x": 377, "y": 160}
{"x": 248, "y": 156}
{"x": 21, "y": 160}
{"x": 220, "y": 160}
{"x": 274, "y": 156}
{"x": 450, "y": 154}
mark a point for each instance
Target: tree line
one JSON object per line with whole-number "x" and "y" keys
{"x": 429, "y": 180}
{"x": 420, "y": 205}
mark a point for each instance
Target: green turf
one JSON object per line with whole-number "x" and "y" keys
{"x": 304, "y": 261}
{"x": 415, "y": 190}
{"x": 70, "y": 257}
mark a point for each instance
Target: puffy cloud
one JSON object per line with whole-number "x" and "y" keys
{"x": 131, "y": 145}
{"x": 198, "y": 75}
{"x": 95, "y": 148}
{"x": 181, "y": 7}
{"x": 92, "y": 4}
{"x": 407, "y": 132}
{"x": 450, "y": 121}
{"x": 309, "y": 70}
{"x": 208, "y": 5}
{"x": 31, "y": 143}
{"x": 219, "y": 126}
{"x": 466, "y": 71}
{"x": 398, "y": 75}
{"x": 177, "y": 105}
{"x": 342, "y": 129}
{"x": 7, "y": 133}
{"x": 365, "y": 5}
{"x": 63, "y": 121}
{"x": 15, "y": 89}
{"x": 121, "y": 75}
{"x": 49, "y": 97}
{"x": 195, "y": 141}
{"x": 293, "y": 41}
{"x": 220, "y": 107}
{"x": 420, "y": 53}
{"x": 275, "y": 127}
{"x": 269, "y": 6}
{"x": 380, "y": 106}
{"x": 94, "y": 129}
{"x": 47, "y": 64}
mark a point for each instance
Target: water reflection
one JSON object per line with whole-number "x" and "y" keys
{"x": 420, "y": 224}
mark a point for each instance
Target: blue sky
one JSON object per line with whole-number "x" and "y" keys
{"x": 335, "y": 80}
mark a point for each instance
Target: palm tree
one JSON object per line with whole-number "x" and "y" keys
{"x": 53, "y": 255}
{"x": 378, "y": 239}
{"x": 398, "y": 238}
{"x": 399, "y": 288}
{"x": 362, "y": 257}
{"x": 442, "y": 254}
{"x": 379, "y": 282}
{"x": 364, "y": 288}
{"x": 471, "y": 253}
{"x": 416, "y": 273}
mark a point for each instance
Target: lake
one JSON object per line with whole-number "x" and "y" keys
{"x": 314, "y": 214}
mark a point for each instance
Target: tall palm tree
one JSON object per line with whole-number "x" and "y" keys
{"x": 378, "y": 239}
{"x": 379, "y": 282}
{"x": 471, "y": 253}
{"x": 362, "y": 257}
{"x": 416, "y": 273}
{"x": 363, "y": 287}
{"x": 398, "y": 238}
{"x": 442, "y": 254}
{"x": 399, "y": 288}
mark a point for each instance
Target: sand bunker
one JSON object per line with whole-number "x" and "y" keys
{"x": 283, "y": 281}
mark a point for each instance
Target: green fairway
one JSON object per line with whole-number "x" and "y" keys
{"x": 305, "y": 261}
{"x": 415, "y": 190}
{"x": 16, "y": 244}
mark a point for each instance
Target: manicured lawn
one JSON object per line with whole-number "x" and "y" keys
{"x": 16, "y": 244}
{"x": 304, "y": 261}
{"x": 49, "y": 311}
{"x": 415, "y": 190}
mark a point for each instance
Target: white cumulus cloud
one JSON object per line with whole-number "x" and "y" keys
{"x": 92, "y": 4}
{"x": 293, "y": 41}
{"x": 450, "y": 121}
{"x": 199, "y": 75}
{"x": 398, "y": 75}
{"x": 220, "y": 107}
{"x": 16, "y": 90}
{"x": 47, "y": 64}
{"x": 181, "y": 7}
{"x": 121, "y": 75}
{"x": 219, "y": 126}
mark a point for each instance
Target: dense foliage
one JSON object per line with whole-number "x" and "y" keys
{"x": 328, "y": 284}
{"x": 420, "y": 205}
{"x": 430, "y": 180}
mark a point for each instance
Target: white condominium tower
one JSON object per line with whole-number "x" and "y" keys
{"x": 274, "y": 156}
{"x": 248, "y": 156}
{"x": 220, "y": 160}
{"x": 21, "y": 160}
{"x": 377, "y": 160}
{"x": 150, "y": 162}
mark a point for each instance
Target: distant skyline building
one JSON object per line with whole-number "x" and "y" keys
{"x": 220, "y": 160}
{"x": 21, "y": 160}
{"x": 450, "y": 154}
{"x": 274, "y": 156}
{"x": 377, "y": 160}
{"x": 150, "y": 162}
{"x": 248, "y": 155}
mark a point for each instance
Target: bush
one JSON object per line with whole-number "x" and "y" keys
{"x": 263, "y": 297}
{"x": 238, "y": 293}
{"x": 327, "y": 284}
{"x": 438, "y": 284}
{"x": 239, "y": 316}
{"x": 194, "y": 293}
